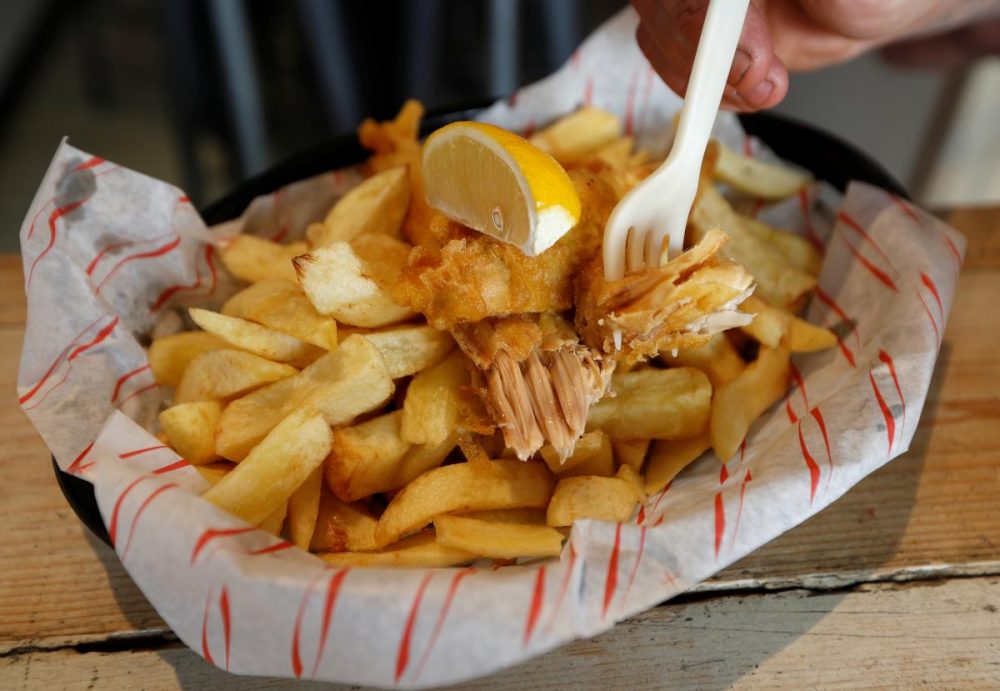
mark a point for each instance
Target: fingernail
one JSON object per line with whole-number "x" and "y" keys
{"x": 759, "y": 93}
{"x": 741, "y": 64}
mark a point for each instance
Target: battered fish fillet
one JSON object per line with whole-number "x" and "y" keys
{"x": 678, "y": 305}
{"x": 474, "y": 277}
{"x": 546, "y": 332}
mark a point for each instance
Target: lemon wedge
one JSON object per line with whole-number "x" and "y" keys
{"x": 496, "y": 182}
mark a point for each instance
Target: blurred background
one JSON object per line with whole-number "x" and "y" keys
{"x": 205, "y": 92}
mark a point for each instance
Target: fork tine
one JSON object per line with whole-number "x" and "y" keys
{"x": 637, "y": 249}
{"x": 615, "y": 247}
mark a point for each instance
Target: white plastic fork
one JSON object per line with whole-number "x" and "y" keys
{"x": 658, "y": 207}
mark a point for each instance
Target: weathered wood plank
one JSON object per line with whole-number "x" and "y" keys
{"x": 981, "y": 228}
{"x": 12, "y": 309}
{"x": 938, "y": 634}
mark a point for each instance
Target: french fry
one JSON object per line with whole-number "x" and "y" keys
{"x": 598, "y": 460}
{"x": 798, "y": 252}
{"x": 221, "y": 374}
{"x": 377, "y": 205}
{"x": 341, "y": 526}
{"x": 170, "y": 356}
{"x": 630, "y": 452}
{"x": 190, "y": 430}
{"x": 804, "y": 337}
{"x": 274, "y": 522}
{"x": 523, "y": 516}
{"x": 777, "y": 282}
{"x": 573, "y": 136}
{"x": 303, "y": 509}
{"x": 366, "y": 457}
{"x": 341, "y": 385}
{"x": 668, "y": 458}
{"x": 586, "y": 446}
{"x": 616, "y": 153}
{"x": 498, "y": 540}
{"x": 600, "y": 498}
{"x": 385, "y": 255}
{"x": 464, "y": 487}
{"x": 770, "y": 324}
{"x": 431, "y": 407}
{"x": 737, "y": 404}
{"x": 282, "y": 306}
{"x": 633, "y": 478}
{"x": 253, "y": 259}
{"x": 411, "y": 349}
{"x": 340, "y": 284}
{"x": 255, "y": 338}
{"x": 717, "y": 358}
{"x": 213, "y": 472}
{"x": 654, "y": 404}
{"x": 758, "y": 178}
{"x": 274, "y": 469}
{"x": 416, "y": 551}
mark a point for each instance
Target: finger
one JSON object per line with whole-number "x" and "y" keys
{"x": 665, "y": 66}
{"x": 756, "y": 78}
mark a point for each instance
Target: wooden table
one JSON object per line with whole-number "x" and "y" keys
{"x": 897, "y": 584}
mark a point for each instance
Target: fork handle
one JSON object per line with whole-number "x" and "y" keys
{"x": 714, "y": 58}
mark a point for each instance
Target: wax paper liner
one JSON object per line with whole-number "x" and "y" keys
{"x": 108, "y": 252}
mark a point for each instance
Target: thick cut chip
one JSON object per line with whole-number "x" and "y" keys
{"x": 737, "y": 404}
{"x": 586, "y": 447}
{"x": 340, "y": 284}
{"x": 411, "y": 349}
{"x": 416, "y": 551}
{"x": 282, "y": 306}
{"x": 170, "y": 356}
{"x": 600, "y": 498}
{"x": 770, "y": 324}
{"x": 667, "y": 458}
{"x": 777, "y": 281}
{"x": 630, "y": 452}
{"x": 385, "y": 256}
{"x": 573, "y": 136}
{"x": 756, "y": 177}
{"x": 717, "y": 358}
{"x": 377, "y": 205}
{"x": 464, "y": 487}
{"x": 498, "y": 540}
{"x": 529, "y": 516}
{"x": 598, "y": 458}
{"x": 341, "y": 526}
{"x": 303, "y": 510}
{"x": 797, "y": 251}
{"x": 255, "y": 338}
{"x": 654, "y": 404}
{"x": 253, "y": 259}
{"x": 432, "y": 404}
{"x": 274, "y": 522}
{"x": 365, "y": 457}
{"x": 341, "y": 385}
{"x": 632, "y": 477}
{"x": 616, "y": 153}
{"x": 213, "y": 472}
{"x": 190, "y": 430}
{"x": 274, "y": 469}
{"x": 804, "y": 337}
{"x": 221, "y": 374}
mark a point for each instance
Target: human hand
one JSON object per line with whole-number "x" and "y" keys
{"x": 789, "y": 35}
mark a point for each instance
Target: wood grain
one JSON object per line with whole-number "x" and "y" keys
{"x": 941, "y": 634}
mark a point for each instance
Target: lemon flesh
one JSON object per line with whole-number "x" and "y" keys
{"x": 495, "y": 182}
